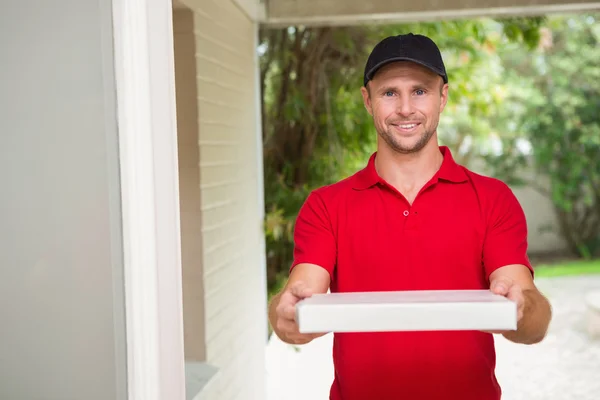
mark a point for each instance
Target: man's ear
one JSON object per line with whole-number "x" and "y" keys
{"x": 367, "y": 99}
{"x": 444, "y": 97}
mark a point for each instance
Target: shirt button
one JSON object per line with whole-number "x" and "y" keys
{"x": 405, "y": 213}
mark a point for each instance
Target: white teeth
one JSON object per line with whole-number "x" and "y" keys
{"x": 407, "y": 126}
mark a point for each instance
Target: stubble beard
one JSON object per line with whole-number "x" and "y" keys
{"x": 396, "y": 146}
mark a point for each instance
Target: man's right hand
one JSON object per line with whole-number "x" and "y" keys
{"x": 286, "y": 325}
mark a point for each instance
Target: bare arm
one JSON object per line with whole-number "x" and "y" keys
{"x": 534, "y": 310}
{"x": 304, "y": 280}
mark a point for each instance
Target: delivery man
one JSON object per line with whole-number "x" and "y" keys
{"x": 412, "y": 219}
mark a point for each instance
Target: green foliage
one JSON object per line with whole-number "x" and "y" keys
{"x": 523, "y": 30}
{"x": 561, "y": 122}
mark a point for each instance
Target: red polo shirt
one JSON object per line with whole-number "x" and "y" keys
{"x": 460, "y": 228}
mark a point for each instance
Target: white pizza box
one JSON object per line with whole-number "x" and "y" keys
{"x": 406, "y": 311}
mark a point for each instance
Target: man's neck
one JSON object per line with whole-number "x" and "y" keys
{"x": 408, "y": 173}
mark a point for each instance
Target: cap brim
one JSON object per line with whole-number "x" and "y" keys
{"x": 373, "y": 70}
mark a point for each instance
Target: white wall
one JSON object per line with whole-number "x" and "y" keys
{"x": 189, "y": 184}
{"x": 62, "y": 334}
{"x": 230, "y": 209}
{"x": 541, "y": 220}
{"x": 542, "y": 223}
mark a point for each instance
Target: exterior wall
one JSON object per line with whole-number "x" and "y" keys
{"x": 255, "y": 9}
{"x": 230, "y": 208}
{"x": 61, "y": 258}
{"x": 189, "y": 184}
{"x": 541, "y": 221}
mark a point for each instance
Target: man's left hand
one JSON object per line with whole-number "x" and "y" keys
{"x": 534, "y": 313}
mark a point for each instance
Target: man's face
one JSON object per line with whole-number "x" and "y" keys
{"x": 405, "y": 101}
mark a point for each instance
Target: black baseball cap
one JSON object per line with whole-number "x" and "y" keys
{"x": 408, "y": 47}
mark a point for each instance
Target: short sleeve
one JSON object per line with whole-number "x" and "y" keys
{"x": 314, "y": 240}
{"x": 506, "y": 236}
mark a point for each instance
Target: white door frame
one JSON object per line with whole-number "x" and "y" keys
{"x": 145, "y": 81}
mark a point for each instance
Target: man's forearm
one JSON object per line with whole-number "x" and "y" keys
{"x": 536, "y": 317}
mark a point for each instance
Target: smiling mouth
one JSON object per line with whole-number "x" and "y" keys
{"x": 406, "y": 127}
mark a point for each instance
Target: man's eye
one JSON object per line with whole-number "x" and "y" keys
{"x": 389, "y": 93}
{"x": 420, "y": 92}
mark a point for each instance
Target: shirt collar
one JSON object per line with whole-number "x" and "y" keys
{"x": 449, "y": 171}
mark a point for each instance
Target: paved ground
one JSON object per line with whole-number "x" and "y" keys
{"x": 565, "y": 366}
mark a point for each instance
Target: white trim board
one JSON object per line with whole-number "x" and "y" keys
{"x": 424, "y": 16}
{"x": 145, "y": 81}
{"x": 260, "y": 176}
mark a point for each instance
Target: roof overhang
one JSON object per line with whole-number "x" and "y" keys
{"x": 278, "y": 13}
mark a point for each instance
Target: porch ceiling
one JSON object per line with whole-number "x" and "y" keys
{"x": 347, "y": 12}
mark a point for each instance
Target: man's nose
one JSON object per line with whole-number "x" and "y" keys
{"x": 404, "y": 107}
